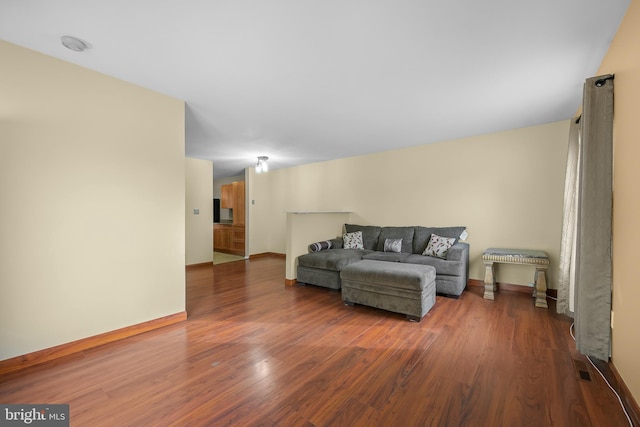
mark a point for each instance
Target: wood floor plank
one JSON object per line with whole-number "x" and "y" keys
{"x": 392, "y": 366}
{"x": 351, "y": 413}
{"x": 254, "y": 352}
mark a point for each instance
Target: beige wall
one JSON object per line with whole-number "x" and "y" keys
{"x": 623, "y": 60}
{"x": 507, "y": 188}
{"x": 199, "y": 195}
{"x": 267, "y": 201}
{"x": 307, "y": 227}
{"x": 92, "y": 186}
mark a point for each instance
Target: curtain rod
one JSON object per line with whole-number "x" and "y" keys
{"x": 600, "y": 82}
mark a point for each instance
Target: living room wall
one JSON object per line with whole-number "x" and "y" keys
{"x": 623, "y": 60}
{"x": 199, "y": 195}
{"x": 93, "y": 197}
{"x": 506, "y": 187}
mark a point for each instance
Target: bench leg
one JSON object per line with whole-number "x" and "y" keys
{"x": 540, "y": 292}
{"x": 489, "y": 280}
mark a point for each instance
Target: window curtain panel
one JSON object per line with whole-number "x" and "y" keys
{"x": 567, "y": 273}
{"x": 593, "y": 258}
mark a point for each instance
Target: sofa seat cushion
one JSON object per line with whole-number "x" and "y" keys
{"x": 388, "y": 274}
{"x": 386, "y": 256}
{"x": 332, "y": 259}
{"x": 442, "y": 266}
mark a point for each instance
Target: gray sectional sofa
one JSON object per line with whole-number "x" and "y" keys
{"x": 322, "y": 268}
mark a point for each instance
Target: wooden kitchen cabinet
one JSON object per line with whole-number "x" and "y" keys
{"x": 229, "y": 238}
{"x": 238, "y": 203}
{"x": 226, "y": 196}
{"x": 237, "y": 239}
{"x": 221, "y": 237}
{"x": 232, "y": 197}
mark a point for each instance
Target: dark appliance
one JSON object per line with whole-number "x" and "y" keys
{"x": 216, "y": 210}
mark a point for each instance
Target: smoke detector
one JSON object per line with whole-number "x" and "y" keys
{"x": 74, "y": 43}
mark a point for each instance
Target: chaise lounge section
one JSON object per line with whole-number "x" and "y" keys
{"x": 322, "y": 267}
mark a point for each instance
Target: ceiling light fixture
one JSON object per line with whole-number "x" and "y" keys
{"x": 262, "y": 165}
{"x": 74, "y": 44}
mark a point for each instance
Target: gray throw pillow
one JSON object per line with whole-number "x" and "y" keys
{"x": 320, "y": 246}
{"x": 393, "y": 245}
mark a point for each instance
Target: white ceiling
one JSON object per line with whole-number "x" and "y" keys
{"x": 303, "y": 81}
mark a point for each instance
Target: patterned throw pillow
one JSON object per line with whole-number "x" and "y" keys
{"x": 320, "y": 246}
{"x": 353, "y": 240}
{"x": 393, "y": 245}
{"x": 438, "y": 246}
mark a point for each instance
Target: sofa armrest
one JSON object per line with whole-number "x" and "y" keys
{"x": 458, "y": 252}
{"x": 336, "y": 243}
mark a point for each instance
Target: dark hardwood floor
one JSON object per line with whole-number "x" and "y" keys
{"x": 255, "y": 352}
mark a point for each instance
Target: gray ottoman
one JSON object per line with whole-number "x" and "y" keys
{"x": 402, "y": 288}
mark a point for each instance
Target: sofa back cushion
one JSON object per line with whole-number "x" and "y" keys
{"x": 370, "y": 234}
{"x": 404, "y": 233}
{"x": 422, "y": 235}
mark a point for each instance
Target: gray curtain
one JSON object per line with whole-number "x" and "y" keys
{"x": 567, "y": 273}
{"x": 593, "y": 261}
